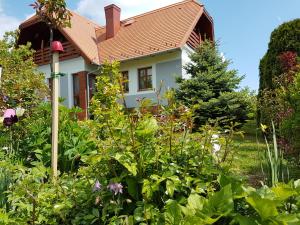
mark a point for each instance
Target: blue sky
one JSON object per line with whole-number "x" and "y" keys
{"x": 242, "y": 27}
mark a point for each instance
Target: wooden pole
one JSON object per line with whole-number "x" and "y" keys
{"x": 55, "y": 92}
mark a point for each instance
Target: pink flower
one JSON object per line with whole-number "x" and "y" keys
{"x": 10, "y": 117}
{"x": 116, "y": 188}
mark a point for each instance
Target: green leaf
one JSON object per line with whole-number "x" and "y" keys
{"x": 196, "y": 202}
{"x": 139, "y": 214}
{"x": 266, "y": 208}
{"x": 173, "y": 213}
{"x": 147, "y": 189}
{"x": 96, "y": 212}
{"x": 132, "y": 186}
{"x": 170, "y": 187}
{"x": 147, "y": 127}
{"x": 283, "y": 192}
{"x": 221, "y": 203}
{"x": 127, "y": 160}
{"x": 242, "y": 220}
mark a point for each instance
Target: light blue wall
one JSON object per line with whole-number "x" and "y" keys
{"x": 166, "y": 72}
{"x": 64, "y": 89}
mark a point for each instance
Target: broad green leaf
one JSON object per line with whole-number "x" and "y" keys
{"x": 242, "y": 220}
{"x": 196, "y": 201}
{"x": 127, "y": 160}
{"x": 173, "y": 213}
{"x": 132, "y": 187}
{"x": 283, "y": 192}
{"x": 291, "y": 219}
{"x": 147, "y": 127}
{"x": 266, "y": 208}
{"x": 221, "y": 203}
{"x": 236, "y": 185}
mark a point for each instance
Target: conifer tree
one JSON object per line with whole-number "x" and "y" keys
{"x": 211, "y": 87}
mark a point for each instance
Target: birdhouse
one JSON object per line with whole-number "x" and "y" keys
{"x": 57, "y": 46}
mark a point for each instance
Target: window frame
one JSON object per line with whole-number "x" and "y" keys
{"x": 76, "y": 95}
{"x": 125, "y": 83}
{"x": 147, "y": 78}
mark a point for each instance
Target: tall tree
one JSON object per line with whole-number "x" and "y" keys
{"x": 211, "y": 87}
{"x": 283, "y": 39}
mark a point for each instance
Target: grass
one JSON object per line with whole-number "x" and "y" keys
{"x": 247, "y": 160}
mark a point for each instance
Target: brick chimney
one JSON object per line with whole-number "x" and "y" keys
{"x": 112, "y": 14}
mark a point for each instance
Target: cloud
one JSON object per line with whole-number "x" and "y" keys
{"x": 94, "y": 9}
{"x": 8, "y": 23}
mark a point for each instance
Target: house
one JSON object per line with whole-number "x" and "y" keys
{"x": 151, "y": 47}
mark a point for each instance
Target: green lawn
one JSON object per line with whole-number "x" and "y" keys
{"x": 247, "y": 156}
{"x": 246, "y": 160}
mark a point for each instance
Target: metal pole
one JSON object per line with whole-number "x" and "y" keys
{"x": 55, "y": 91}
{"x": 0, "y": 74}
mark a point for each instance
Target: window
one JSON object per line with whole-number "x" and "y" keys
{"x": 125, "y": 81}
{"x": 145, "y": 79}
{"x": 76, "y": 90}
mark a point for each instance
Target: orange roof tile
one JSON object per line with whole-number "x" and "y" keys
{"x": 157, "y": 31}
{"x": 82, "y": 34}
{"x": 150, "y": 33}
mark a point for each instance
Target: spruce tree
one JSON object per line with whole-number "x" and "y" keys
{"x": 211, "y": 87}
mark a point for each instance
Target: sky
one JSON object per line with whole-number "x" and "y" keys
{"x": 242, "y": 27}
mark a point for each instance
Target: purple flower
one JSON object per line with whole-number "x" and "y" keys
{"x": 97, "y": 186}
{"x": 116, "y": 188}
{"x": 10, "y": 117}
{"x": 5, "y": 98}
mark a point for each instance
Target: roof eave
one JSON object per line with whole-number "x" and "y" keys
{"x": 191, "y": 28}
{"x": 149, "y": 55}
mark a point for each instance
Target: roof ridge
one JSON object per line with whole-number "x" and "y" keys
{"x": 160, "y": 9}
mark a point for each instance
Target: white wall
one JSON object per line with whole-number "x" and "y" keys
{"x": 185, "y": 52}
{"x": 68, "y": 67}
{"x": 132, "y": 67}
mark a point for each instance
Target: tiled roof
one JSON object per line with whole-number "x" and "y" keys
{"x": 81, "y": 34}
{"x": 151, "y": 33}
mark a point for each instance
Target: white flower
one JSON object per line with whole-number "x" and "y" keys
{"x": 216, "y": 148}
{"x": 20, "y": 112}
{"x": 215, "y": 136}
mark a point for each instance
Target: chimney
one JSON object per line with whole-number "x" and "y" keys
{"x": 112, "y": 14}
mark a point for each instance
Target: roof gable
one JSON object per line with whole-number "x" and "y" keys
{"x": 151, "y": 33}
{"x": 154, "y": 32}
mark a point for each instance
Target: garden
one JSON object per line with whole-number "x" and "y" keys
{"x": 213, "y": 154}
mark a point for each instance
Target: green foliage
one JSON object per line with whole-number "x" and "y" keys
{"x": 21, "y": 85}
{"x": 274, "y": 158}
{"x": 133, "y": 168}
{"x": 73, "y": 140}
{"x": 211, "y": 90}
{"x": 284, "y": 38}
{"x": 53, "y": 12}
